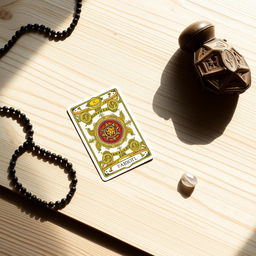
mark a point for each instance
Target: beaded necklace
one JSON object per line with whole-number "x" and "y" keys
{"x": 29, "y": 144}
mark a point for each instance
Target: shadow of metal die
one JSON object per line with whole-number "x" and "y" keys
{"x": 221, "y": 68}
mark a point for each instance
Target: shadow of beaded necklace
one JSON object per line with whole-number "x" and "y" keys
{"x": 29, "y": 144}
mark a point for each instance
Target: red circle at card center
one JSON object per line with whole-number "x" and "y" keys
{"x": 110, "y": 131}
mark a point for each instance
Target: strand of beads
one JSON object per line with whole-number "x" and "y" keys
{"x": 30, "y": 147}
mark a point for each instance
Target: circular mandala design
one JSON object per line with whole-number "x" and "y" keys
{"x": 110, "y": 131}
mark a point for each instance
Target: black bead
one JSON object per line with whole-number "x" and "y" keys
{"x": 58, "y": 35}
{"x": 78, "y": 10}
{"x": 69, "y": 197}
{"x": 41, "y": 152}
{"x": 73, "y": 25}
{"x": 12, "y": 172}
{"x": 21, "y": 149}
{"x": 22, "y": 28}
{"x": 14, "y": 180}
{"x": 44, "y": 203}
{"x": 52, "y": 34}
{"x": 48, "y": 155}
{"x": 64, "y": 33}
{"x": 63, "y": 202}
{"x": 74, "y": 181}
{"x": 64, "y": 162}
{"x": 39, "y": 201}
{"x": 6, "y": 48}
{"x": 36, "y": 149}
{"x": 72, "y": 173}
{"x": 28, "y": 194}
{"x": 77, "y": 16}
{"x": 33, "y": 198}
{"x": 69, "y": 166}
{"x": 30, "y": 139}
{"x": 50, "y": 204}
{"x": 14, "y": 157}
{"x": 17, "y": 113}
{"x": 57, "y": 204}
{"x": 30, "y": 133}
{"x": 18, "y": 34}
{"x": 35, "y": 27}
{"x": 12, "y": 164}
{"x": 69, "y": 31}
{"x": 18, "y": 185}
{"x": 72, "y": 190}
{"x": 10, "y": 43}
{"x": 28, "y": 127}
{"x": 17, "y": 152}
{"x": 29, "y": 28}
{"x": 59, "y": 158}
{"x": 28, "y": 145}
{"x": 12, "y": 110}
{"x": 22, "y": 116}
{"x": 47, "y": 32}
{"x": 41, "y": 29}
{"x": 25, "y": 121}
{"x": 23, "y": 190}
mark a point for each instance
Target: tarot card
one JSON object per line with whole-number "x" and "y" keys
{"x": 109, "y": 134}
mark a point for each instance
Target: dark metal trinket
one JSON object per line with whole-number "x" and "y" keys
{"x": 221, "y": 68}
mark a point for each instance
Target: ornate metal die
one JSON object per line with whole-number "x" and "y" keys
{"x": 221, "y": 68}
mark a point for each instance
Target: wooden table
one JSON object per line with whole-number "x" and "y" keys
{"x": 133, "y": 44}
{"x": 22, "y": 234}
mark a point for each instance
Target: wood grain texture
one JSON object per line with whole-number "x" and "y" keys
{"x": 133, "y": 44}
{"x": 22, "y": 235}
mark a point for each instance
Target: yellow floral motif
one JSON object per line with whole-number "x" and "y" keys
{"x": 94, "y": 102}
{"x": 113, "y": 105}
{"x": 110, "y": 131}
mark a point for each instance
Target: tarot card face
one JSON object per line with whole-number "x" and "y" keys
{"x": 109, "y": 134}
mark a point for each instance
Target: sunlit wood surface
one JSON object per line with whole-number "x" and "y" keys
{"x": 21, "y": 234}
{"x": 129, "y": 44}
